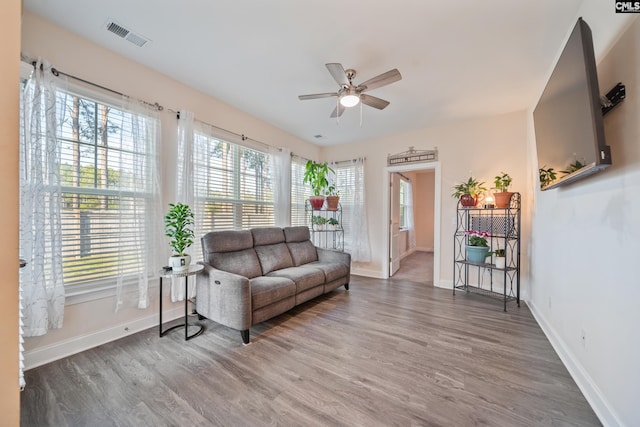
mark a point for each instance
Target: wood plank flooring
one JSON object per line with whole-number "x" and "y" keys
{"x": 384, "y": 353}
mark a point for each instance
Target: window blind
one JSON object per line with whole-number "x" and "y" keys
{"x": 104, "y": 170}
{"x": 300, "y": 192}
{"x": 234, "y": 186}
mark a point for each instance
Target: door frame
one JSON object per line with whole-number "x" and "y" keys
{"x": 437, "y": 206}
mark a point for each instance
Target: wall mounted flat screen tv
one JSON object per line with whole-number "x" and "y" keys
{"x": 568, "y": 118}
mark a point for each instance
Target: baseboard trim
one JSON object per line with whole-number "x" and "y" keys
{"x": 376, "y": 274}
{"x": 445, "y": 284}
{"x": 585, "y": 383}
{"x": 65, "y": 348}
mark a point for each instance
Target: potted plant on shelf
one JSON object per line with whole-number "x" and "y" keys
{"x": 316, "y": 175}
{"x": 503, "y": 196}
{"x": 333, "y": 198}
{"x": 178, "y": 224}
{"x": 319, "y": 222}
{"x": 333, "y": 223}
{"x": 547, "y": 176}
{"x": 478, "y": 247}
{"x": 499, "y": 257}
{"x": 468, "y": 192}
{"x": 573, "y": 167}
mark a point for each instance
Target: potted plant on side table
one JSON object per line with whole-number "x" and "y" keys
{"x": 503, "y": 196}
{"x": 315, "y": 174}
{"x": 178, "y": 223}
{"x": 468, "y": 192}
{"x": 478, "y": 247}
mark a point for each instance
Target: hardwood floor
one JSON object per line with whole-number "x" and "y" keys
{"x": 417, "y": 267}
{"x": 384, "y": 353}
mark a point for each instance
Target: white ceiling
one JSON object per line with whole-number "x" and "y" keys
{"x": 458, "y": 60}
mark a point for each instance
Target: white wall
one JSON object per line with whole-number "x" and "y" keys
{"x": 9, "y": 108}
{"x": 94, "y": 322}
{"x": 586, "y": 236}
{"x": 483, "y": 147}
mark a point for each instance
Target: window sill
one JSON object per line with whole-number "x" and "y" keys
{"x": 82, "y": 294}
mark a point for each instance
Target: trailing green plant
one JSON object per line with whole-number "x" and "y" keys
{"x": 316, "y": 175}
{"x": 502, "y": 182}
{"x": 547, "y": 176}
{"x": 573, "y": 167}
{"x": 177, "y": 226}
{"x": 472, "y": 187}
{"x": 318, "y": 220}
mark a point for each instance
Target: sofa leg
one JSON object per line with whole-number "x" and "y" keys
{"x": 245, "y": 336}
{"x": 346, "y": 286}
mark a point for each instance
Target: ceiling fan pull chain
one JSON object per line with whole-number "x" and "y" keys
{"x": 361, "y": 114}
{"x": 337, "y": 111}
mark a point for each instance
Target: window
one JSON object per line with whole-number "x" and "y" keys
{"x": 404, "y": 200}
{"x": 233, "y": 186}
{"x": 106, "y": 169}
{"x": 300, "y": 192}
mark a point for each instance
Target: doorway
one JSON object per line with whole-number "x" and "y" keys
{"x": 413, "y": 243}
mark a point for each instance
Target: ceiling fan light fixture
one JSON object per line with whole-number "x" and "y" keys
{"x": 349, "y": 100}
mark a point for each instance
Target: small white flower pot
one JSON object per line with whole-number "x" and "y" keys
{"x": 180, "y": 263}
{"x": 499, "y": 261}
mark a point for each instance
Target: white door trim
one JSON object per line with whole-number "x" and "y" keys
{"x": 437, "y": 206}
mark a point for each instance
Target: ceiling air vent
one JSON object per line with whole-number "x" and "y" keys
{"x": 126, "y": 34}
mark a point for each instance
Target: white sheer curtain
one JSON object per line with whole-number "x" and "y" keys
{"x": 280, "y": 163}
{"x": 40, "y": 204}
{"x": 188, "y": 153}
{"x": 142, "y": 191}
{"x": 350, "y": 181}
{"x": 409, "y": 216}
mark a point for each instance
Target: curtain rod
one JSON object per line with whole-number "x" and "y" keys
{"x": 57, "y": 73}
{"x": 241, "y": 135}
{"x": 348, "y": 161}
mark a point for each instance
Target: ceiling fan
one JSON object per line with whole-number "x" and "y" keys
{"x": 349, "y": 95}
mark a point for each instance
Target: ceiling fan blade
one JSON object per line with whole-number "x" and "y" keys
{"x": 374, "y": 102}
{"x": 337, "y": 112}
{"x": 317, "y": 95}
{"x": 338, "y": 73}
{"x": 381, "y": 80}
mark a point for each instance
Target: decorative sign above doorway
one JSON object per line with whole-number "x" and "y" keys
{"x": 412, "y": 156}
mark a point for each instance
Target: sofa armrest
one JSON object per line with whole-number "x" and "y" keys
{"x": 330, "y": 255}
{"x": 224, "y": 297}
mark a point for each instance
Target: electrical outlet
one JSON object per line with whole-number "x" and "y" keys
{"x": 583, "y": 336}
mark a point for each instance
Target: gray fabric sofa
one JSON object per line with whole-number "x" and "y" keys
{"x": 253, "y": 275}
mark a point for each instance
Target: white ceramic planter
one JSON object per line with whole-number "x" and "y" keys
{"x": 500, "y": 261}
{"x": 180, "y": 263}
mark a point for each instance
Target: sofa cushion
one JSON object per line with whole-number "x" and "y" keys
{"x": 274, "y": 257}
{"x": 332, "y": 270}
{"x": 245, "y": 262}
{"x": 296, "y": 234}
{"x": 225, "y": 241}
{"x": 267, "y": 235}
{"x": 269, "y": 290}
{"x": 302, "y": 252}
{"x": 305, "y": 277}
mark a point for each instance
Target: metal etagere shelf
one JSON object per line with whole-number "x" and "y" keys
{"x": 326, "y": 235}
{"x": 503, "y": 226}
